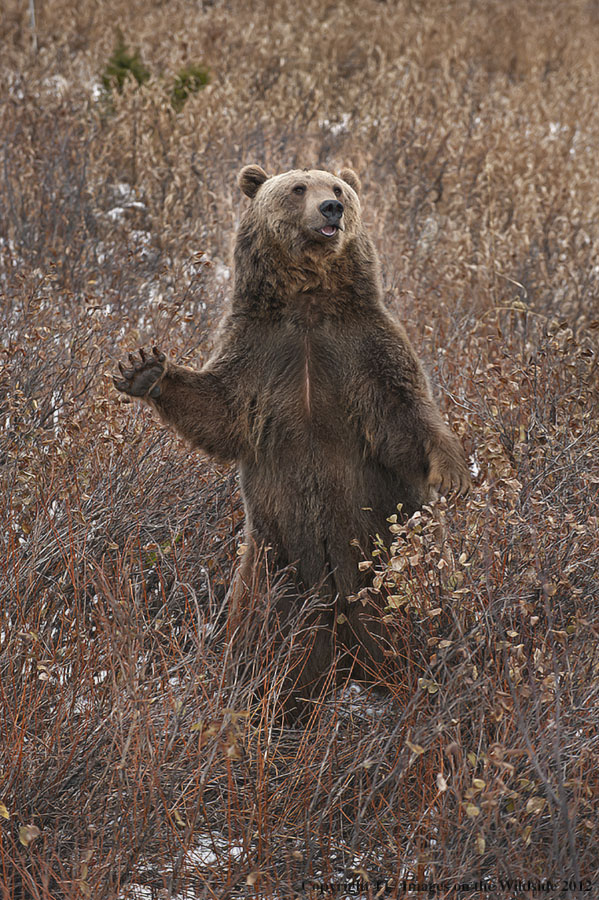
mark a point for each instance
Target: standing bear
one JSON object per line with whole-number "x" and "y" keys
{"x": 316, "y": 393}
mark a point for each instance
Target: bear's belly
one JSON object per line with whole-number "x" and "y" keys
{"x": 310, "y": 504}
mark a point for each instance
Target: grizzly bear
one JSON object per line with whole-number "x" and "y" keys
{"x": 316, "y": 393}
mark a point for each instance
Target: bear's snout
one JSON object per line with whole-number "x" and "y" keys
{"x": 332, "y": 210}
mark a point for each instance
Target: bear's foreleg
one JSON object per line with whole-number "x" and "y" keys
{"x": 195, "y": 403}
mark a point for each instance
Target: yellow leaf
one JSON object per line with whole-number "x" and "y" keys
{"x": 535, "y": 805}
{"x": 28, "y": 833}
{"x": 233, "y": 751}
{"x": 480, "y": 844}
{"x": 178, "y": 818}
{"x": 4, "y": 813}
{"x": 415, "y": 748}
{"x": 472, "y": 810}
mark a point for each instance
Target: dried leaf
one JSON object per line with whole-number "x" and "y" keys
{"x": 535, "y": 805}
{"x": 415, "y": 748}
{"x": 28, "y": 833}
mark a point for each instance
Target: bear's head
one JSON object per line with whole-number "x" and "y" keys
{"x": 304, "y": 210}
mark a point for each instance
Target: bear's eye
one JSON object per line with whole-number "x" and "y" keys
{"x": 337, "y": 191}
{"x": 299, "y": 189}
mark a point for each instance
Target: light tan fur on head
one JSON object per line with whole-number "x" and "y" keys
{"x": 289, "y": 205}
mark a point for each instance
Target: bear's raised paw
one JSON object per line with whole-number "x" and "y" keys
{"x": 144, "y": 377}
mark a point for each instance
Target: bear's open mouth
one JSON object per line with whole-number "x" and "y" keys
{"x": 329, "y": 230}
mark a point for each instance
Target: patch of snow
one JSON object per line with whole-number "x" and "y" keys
{"x": 57, "y": 85}
{"x": 555, "y": 128}
{"x": 125, "y": 190}
{"x": 210, "y": 852}
{"x": 222, "y": 273}
{"x": 138, "y": 892}
{"x": 336, "y": 128}
{"x": 355, "y": 701}
{"x": 155, "y": 294}
{"x": 116, "y": 214}
{"x": 142, "y": 237}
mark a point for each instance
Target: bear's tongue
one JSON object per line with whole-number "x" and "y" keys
{"x": 329, "y": 230}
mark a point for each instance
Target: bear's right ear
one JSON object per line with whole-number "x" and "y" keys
{"x": 250, "y": 178}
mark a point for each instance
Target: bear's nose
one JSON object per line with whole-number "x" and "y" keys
{"x": 332, "y": 210}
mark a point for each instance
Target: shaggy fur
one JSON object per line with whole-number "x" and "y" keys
{"x": 316, "y": 393}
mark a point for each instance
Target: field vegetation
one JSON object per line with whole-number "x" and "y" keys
{"x": 135, "y": 760}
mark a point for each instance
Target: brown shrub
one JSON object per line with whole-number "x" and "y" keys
{"x": 474, "y": 131}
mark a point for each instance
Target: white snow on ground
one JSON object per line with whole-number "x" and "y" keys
{"x": 355, "y": 701}
{"x": 211, "y": 852}
{"x": 474, "y": 466}
{"x": 335, "y": 128}
{"x": 222, "y": 273}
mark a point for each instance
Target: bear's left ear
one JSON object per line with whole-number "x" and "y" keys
{"x": 350, "y": 177}
{"x": 250, "y": 178}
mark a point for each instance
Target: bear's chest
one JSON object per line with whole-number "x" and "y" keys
{"x": 297, "y": 392}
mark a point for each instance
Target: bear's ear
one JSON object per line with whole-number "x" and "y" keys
{"x": 350, "y": 177}
{"x": 250, "y": 178}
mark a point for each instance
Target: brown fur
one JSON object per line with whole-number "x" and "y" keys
{"x": 316, "y": 393}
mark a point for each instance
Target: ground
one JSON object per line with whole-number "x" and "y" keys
{"x": 126, "y": 765}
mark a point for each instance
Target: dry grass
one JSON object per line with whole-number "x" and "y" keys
{"x": 131, "y": 764}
